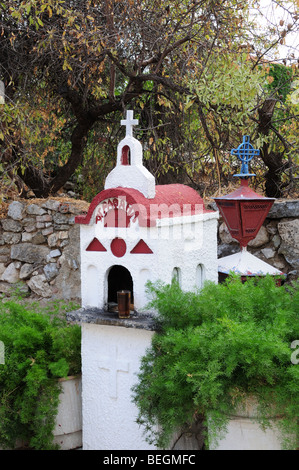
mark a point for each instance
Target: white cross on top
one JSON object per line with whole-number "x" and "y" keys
{"x": 129, "y": 122}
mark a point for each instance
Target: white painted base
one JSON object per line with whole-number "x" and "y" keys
{"x": 245, "y": 434}
{"x": 68, "y": 430}
{"x": 110, "y": 363}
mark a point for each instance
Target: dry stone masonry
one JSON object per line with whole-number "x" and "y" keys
{"x": 39, "y": 245}
{"x": 39, "y": 249}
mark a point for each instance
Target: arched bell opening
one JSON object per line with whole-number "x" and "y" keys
{"x": 126, "y": 155}
{"x": 119, "y": 278}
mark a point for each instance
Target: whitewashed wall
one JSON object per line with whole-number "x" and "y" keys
{"x": 110, "y": 361}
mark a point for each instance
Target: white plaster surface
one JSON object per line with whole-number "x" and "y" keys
{"x": 179, "y": 244}
{"x": 110, "y": 361}
{"x": 246, "y": 434}
{"x": 135, "y": 175}
{"x": 246, "y": 263}
{"x": 68, "y": 428}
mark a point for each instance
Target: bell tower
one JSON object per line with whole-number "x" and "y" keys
{"x": 130, "y": 171}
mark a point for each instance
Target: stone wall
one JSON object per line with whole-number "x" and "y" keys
{"x": 40, "y": 254}
{"x": 39, "y": 248}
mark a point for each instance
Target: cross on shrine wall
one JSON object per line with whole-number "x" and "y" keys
{"x": 113, "y": 366}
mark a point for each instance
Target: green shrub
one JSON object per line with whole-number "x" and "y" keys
{"x": 214, "y": 348}
{"x": 39, "y": 348}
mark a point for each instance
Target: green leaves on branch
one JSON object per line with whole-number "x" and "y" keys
{"x": 230, "y": 91}
{"x": 39, "y": 348}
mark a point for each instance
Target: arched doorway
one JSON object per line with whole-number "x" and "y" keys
{"x": 119, "y": 278}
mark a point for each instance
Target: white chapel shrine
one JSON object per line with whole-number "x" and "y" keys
{"x": 134, "y": 231}
{"x": 137, "y": 231}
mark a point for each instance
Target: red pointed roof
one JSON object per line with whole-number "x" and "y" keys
{"x": 243, "y": 192}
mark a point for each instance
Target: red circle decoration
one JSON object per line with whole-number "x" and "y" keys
{"x": 118, "y": 247}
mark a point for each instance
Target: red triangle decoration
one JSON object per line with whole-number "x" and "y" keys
{"x": 95, "y": 245}
{"x": 141, "y": 247}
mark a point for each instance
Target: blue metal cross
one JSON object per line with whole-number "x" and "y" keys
{"x": 245, "y": 152}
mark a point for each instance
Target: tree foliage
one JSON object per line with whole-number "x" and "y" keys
{"x": 214, "y": 348}
{"x": 40, "y": 347}
{"x": 71, "y": 69}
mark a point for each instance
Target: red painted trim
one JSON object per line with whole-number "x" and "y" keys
{"x": 175, "y": 195}
{"x": 116, "y": 218}
{"x": 141, "y": 247}
{"x": 118, "y": 247}
{"x": 95, "y": 245}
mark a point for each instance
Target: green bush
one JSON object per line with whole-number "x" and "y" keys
{"x": 215, "y": 347}
{"x": 39, "y": 348}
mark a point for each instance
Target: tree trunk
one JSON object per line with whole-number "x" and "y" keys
{"x": 273, "y": 161}
{"x": 42, "y": 185}
{"x": 79, "y": 139}
{"x": 273, "y": 176}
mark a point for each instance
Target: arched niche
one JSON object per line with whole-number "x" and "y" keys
{"x": 92, "y": 286}
{"x": 125, "y": 155}
{"x": 119, "y": 278}
{"x": 176, "y": 275}
{"x": 200, "y": 275}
